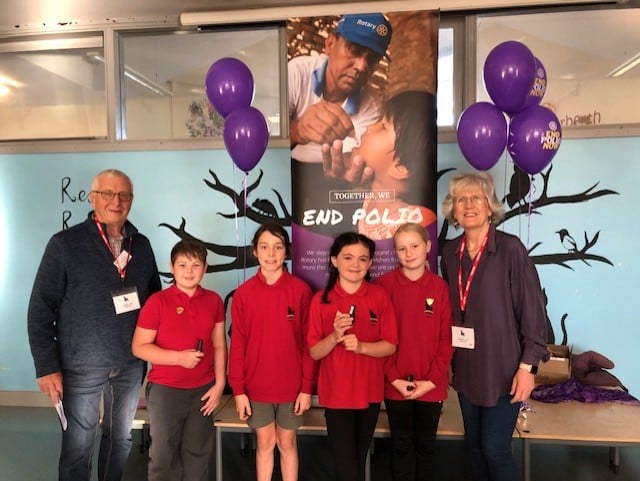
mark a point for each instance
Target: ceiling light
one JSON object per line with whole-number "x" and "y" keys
{"x": 137, "y": 77}
{"x": 147, "y": 83}
{"x": 625, "y": 66}
{"x": 9, "y": 82}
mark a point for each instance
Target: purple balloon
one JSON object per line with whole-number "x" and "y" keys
{"x": 229, "y": 85}
{"x": 482, "y": 134}
{"x": 246, "y": 135}
{"x": 509, "y": 73}
{"x": 534, "y": 138}
{"x": 539, "y": 86}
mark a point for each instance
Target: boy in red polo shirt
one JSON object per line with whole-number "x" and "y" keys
{"x": 180, "y": 332}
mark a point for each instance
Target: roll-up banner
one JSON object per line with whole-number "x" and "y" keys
{"x": 362, "y": 111}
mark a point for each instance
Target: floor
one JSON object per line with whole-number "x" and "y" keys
{"x": 30, "y": 440}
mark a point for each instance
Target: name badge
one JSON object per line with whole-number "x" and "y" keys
{"x": 463, "y": 337}
{"x": 126, "y": 300}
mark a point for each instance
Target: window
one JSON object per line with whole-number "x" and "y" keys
{"x": 163, "y": 77}
{"x": 52, "y": 87}
{"x": 591, "y": 57}
{"x": 450, "y": 72}
{"x": 446, "y": 110}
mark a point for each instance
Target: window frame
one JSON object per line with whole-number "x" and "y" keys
{"x": 568, "y": 132}
{"x": 464, "y": 75}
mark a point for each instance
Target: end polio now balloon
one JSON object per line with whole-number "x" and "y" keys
{"x": 229, "y": 85}
{"x": 482, "y": 134}
{"x": 534, "y": 138}
{"x": 539, "y": 86}
{"x": 246, "y": 135}
{"x": 509, "y": 73}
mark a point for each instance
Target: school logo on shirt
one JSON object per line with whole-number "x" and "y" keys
{"x": 373, "y": 319}
{"x": 428, "y": 306}
{"x": 179, "y": 310}
{"x": 290, "y": 313}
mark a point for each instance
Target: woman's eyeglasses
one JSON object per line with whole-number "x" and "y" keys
{"x": 474, "y": 199}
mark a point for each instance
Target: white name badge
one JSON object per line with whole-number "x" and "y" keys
{"x": 126, "y": 300}
{"x": 463, "y": 337}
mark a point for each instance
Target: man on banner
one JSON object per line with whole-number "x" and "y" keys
{"x": 330, "y": 106}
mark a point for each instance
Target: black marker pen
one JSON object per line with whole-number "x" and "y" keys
{"x": 410, "y": 379}
{"x": 199, "y": 346}
{"x": 352, "y": 313}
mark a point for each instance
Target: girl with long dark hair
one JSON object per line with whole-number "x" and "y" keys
{"x": 352, "y": 329}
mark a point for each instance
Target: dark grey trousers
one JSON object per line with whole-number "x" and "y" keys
{"x": 181, "y": 437}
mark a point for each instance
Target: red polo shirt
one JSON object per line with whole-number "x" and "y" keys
{"x": 180, "y": 321}
{"x": 347, "y": 380}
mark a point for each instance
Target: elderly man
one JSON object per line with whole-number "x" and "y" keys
{"x": 330, "y": 106}
{"x": 84, "y": 305}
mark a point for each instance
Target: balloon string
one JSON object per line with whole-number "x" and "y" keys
{"x": 244, "y": 260}
{"x": 237, "y": 228}
{"x": 529, "y": 197}
{"x": 504, "y": 186}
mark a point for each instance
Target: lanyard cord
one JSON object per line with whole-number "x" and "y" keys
{"x": 121, "y": 271}
{"x": 464, "y": 295}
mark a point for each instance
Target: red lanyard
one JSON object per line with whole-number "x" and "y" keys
{"x": 464, "y": 295}
{"x": 123, "y": 271}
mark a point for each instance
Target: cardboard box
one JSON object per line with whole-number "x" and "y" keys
{"x": 558, "y": 368}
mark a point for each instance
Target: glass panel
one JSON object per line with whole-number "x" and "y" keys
{"x": 581, "y": 52}
{"x": 52, "y": 88}
{"x": 445, "y": 78}
{"x": 164, "y": 76}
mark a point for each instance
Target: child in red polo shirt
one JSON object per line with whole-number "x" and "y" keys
{"x": 180, "y": 332}
{"x": 417, "y": 373}
{"x": 270, "y": 370}
{"x": 352, "y": 329}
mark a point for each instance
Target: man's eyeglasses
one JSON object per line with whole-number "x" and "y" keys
{"x": 474, "y": 199}
{"x": 109, "y": 195}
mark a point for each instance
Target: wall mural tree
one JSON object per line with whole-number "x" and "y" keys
{"x": 260, "y": 209}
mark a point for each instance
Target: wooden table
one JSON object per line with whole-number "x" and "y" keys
{"x": 450, "y": 426}
{"x": 603, "y": 424}
{"x": 574, "y": 423}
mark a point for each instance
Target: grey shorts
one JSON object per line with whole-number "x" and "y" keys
{"x": 263, "y": 414}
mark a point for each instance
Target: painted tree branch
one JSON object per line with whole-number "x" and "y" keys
{"x": 545, "y": 200}
{"x": 577, "y": 255}
{"x": 260, "y": 211}
{"x": 241, "y": 254}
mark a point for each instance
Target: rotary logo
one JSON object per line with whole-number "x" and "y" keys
{"x": 382, "y": 30}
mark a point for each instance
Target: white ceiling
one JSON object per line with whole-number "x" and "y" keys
{"x": 26, "y": 14}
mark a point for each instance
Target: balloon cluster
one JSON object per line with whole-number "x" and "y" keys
{"x": 516, "y": 82}
{"x": 230, "y": 89}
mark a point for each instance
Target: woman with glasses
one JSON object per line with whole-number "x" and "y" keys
{"x": 499, "y": 331}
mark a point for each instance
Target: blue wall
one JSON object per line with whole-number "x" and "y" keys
{"x": 39, "y": 192}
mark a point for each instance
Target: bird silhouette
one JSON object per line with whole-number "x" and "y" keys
{"x": 519, "y": 187}
{"x": 266, "y": 207}
{"x": 568, "y": 242}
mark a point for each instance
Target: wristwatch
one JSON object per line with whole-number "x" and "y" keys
{"x": 528, "y": 367}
